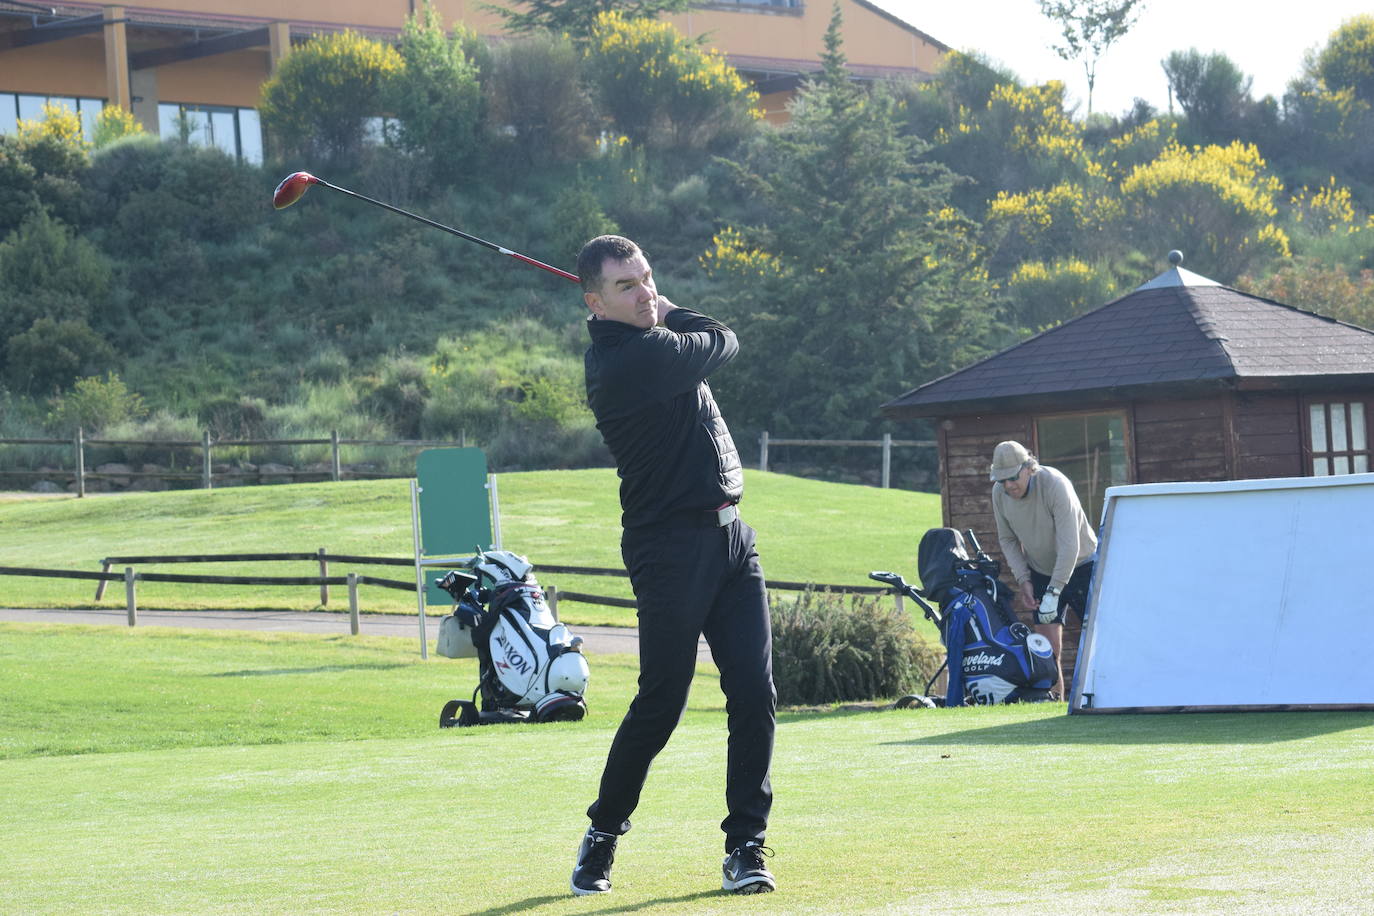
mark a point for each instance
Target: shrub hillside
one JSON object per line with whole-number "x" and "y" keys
{"x": 884, "y": 236}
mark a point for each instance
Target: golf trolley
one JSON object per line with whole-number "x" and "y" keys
{"x": 992, "y": 657}
{"x": 530, "y": 668}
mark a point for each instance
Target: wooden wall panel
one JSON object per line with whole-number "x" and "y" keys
{"x": 1269, "y": 432}
{"x": 1180, "y": 440}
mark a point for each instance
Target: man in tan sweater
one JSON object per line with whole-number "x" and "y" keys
{"x": 1046, "y": 539}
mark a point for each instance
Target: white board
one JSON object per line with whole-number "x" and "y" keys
{"x": 1251, "y": 594}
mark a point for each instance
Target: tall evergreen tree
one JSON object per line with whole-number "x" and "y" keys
{"x": 865, "y": 281}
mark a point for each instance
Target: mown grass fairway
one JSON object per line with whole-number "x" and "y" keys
{"x": 162, "y": 771}
{"x": 809, "y": 531}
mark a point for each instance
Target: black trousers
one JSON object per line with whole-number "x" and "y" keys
{"x": 690, "y": 579}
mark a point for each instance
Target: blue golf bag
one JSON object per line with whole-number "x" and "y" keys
{"x": 992, "y": 656}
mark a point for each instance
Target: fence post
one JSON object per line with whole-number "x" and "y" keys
{"x": 897, "y": 596}
{"x": 419, "y": 570}
{"x": 130, "y": 595}
{"x": 887, "y": 460}
{"x": 100, "y": 586}
{"x": 80, "y": 444}
{"x": 353, "y": 603}
{"x": 551, "y": 595}
{"x": 334, "y": 446}
{"x": 763, "y": 451}
{"x": 205, "y": 472}
{"x": 495, "y": 512}
{"x": 324, "y": 571}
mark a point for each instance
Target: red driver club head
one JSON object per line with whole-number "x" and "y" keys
{"x": 292, "y": 188}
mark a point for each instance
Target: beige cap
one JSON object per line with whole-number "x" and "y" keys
{"x": 1007, "y": 460}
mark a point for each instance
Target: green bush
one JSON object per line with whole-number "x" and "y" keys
{"x": 314, "y": 106}
{"x": 435, "y": 96}
{"x": 156, "y": 428}
{"x": 47, "y": 271}
{"x": 232, "y": 417}
{"x": 51, "y": 355}
{"x": 539, "y": 109}
{"x": 95, "y": 404}
{"x": 1040, "y": 295}
{"x": 577, "y": 217}
{"x": 829, "y": 649}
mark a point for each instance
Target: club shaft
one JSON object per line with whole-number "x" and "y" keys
{"x": 524, "y": 259}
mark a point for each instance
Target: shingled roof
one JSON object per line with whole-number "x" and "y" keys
{"x": 1177, "y": 335}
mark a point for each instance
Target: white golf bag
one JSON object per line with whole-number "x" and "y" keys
{"x": 530, "y": 667}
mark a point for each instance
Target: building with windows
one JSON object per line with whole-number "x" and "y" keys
{"x": 1181, "y": 380}
{"x": 193, "y": 68}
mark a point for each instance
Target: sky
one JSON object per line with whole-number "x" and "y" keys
{"x": 1267, "y": 41}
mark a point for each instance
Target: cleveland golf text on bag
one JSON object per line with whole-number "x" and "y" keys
{"x": 530, "y": 667}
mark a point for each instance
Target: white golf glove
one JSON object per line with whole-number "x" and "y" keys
{"x": 1049, "y": 608}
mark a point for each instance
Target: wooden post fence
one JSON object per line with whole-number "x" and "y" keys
{"x": 353, "y": 626}
{"x": 886, "y": 443}
{"x": 887, "y": 460}
{"x": 206, "y": 467}
{"x": 80, "y": 463}
{"x": 130, "y": 595}
{"x": 324, "y": 571}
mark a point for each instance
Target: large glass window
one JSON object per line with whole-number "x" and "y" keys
{"x": 237, "y": 131}
{"x": 1090, "y": 450}
{"x": 1340, "y": 441}
{"x": 14, "y": 106}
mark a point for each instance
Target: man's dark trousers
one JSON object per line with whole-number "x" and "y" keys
{"x": 692, "y": 577}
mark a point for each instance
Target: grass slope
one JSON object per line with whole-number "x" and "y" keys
{"x": 292, "y": 774}
{"x": 809, "y": 531}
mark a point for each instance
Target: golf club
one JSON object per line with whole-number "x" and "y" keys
{"x": 294, "y": 186}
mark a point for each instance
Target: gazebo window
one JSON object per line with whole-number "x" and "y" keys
{"x": 1090, "y": 449}
{"x": 1340, "y": 441}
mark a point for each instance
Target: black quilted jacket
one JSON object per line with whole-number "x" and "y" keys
{"x": 655, "y": 411}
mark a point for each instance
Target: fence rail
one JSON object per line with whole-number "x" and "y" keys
{"x": 207, "y": 475}
{"x": 130, "y": 577}
{"x": 886, "y": 443}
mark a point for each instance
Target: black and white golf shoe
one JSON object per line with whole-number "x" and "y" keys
{"x": 744, "y": 871}
{"x": 592, "y": 873}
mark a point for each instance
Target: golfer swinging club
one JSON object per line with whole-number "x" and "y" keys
{"x": 690, "y": 558}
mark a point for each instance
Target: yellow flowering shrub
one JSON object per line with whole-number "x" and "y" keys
{"x": 1037, "y": 126}
{"x": 112, "y": 123}
{"x": 659, "y": 85}
{"x": 730, "y": 256}
{"x": 59, "y": 124}
{"x": 1215, "y": 203}
{"x": 322, "y": 91}
{"x": 1042, "y": 294}
{"x": 1327, "y": 210}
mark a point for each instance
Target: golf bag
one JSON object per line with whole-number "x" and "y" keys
{"x": 992, "y": 656}
{"x": 530, "y": 668}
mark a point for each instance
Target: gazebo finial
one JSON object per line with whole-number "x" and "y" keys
{"x": 1175, "y": 257}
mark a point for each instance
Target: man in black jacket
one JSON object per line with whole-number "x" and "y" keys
{"x": 691, "y": 560}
